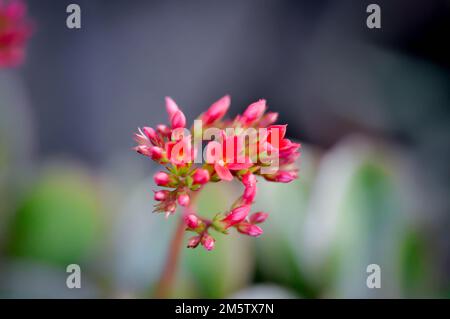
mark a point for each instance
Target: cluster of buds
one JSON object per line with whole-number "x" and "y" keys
{"x": 235, "y": 153}
{"x": 15, "y": 30}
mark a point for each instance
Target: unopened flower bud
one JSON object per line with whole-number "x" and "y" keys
{"x": 161, "y": 195}
{"x": 258, "y": 217}
{"x": 285, "y": 176}
{"x": 151, "y": 134}
{"x": 163, "y": 129}
{"x": 249, "y": 179}
{"x": 194, "y": 241}
{"x": 253, "y": 112}
{"x": 208, "y": 242}
{"x": 161, "y": 178}
{"x": 268, "y": 119}
{"x": 249, "y": 194}
{"x": 249, "y": 229}
{"x": 192, "y": 221}
{"x": 156, "y": 153}
{"x": 171, "y": 107}
{"x": 236, "y": 216}
{"x": 183, "y": 200}
{"x": 216, "y": 111}
{"x": 200, "y": 176}
{"x": 178, "y": 120}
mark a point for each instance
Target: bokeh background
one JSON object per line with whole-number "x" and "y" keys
{"x": 370, "y": 107}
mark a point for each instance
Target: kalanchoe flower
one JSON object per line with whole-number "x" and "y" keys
{"x": 162, "y": 179}
{"x": 15, "y": 29}
{"x": 228, "y": 157}
{"x": 194, "y": 241}
{"x": 235, "y": 216}
{"x": 216, "y": 111}
{"x": 208, "y": 242}
{"x": 249, "y": 229}
{"x": 258, "y": 217}
{"x": 161, "y": 195}
{"x": 200, "y": 176}
{"x": 183, "y": 200}
{"x": 192, "y": 221}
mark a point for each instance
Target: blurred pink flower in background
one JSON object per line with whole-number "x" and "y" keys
{"x": 15, "y": 30}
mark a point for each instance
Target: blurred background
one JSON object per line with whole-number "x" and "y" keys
{"x": 370, "y": 107}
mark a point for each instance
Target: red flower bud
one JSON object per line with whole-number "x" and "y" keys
{"x": 161, "y": 195}
{"x": 178, "y": 120}
{"x": 200, "y": 176}
{"x": 171, "y": 107}
{"x": 161, "y": 178}
{"x": 236, "y": 216}
{"x": 183, "y": 200}
{"x": 194, "y": 241}
{"x": 249, "y": 179}
{"x": 253, "y": 112}
{"x": 156, "y": 153}
{"x": 208, "y": 242}
{"x": 249, "y": 194}
{"x": 285, "y": 176}
{"x": 258, "y": 217}
{"x": 249, "y": 229}
{"x": 216, "y": 111}
{"x": 268, "y": 119}
{"x": 192, "y": 221}
{"x": 151, "y": 134}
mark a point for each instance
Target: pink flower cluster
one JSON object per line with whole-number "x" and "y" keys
{"x": 227, "y": 158}
{"x": 15, "y": 30}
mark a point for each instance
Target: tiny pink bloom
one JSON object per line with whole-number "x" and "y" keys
{"x": 249, "y": 179}
{"x": 253, "y": 112}
{"x": 216, "y": 111}
{"x": 258, "y": 217}
{"x": 156, "y": 153}
{"x": 192, "y": 221}
{"x": 171, "y": 107}
{"x": 249, "y": 194}
{"x": 15, "y": 30}
{"x": 208, "y": 242}
{"x": 194, "y": 241}
{"x": 283, "y": 176}
{"x": 183, "y": 200}
{"x": 268, "y": 119}
{"x": 161, "y": 195}
{"x": 164, "y": 130}
{"x": 151, "y": 135}
{"x": 178, "y": 120}
{"x": 161, "y": 178}
{"x": 249, "y": 229}
{"x": 180, "y": 152}
{"x": 200, "y": 176}
{"x": 236, "y": 216}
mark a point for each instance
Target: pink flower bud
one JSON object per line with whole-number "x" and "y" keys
{"x": 192, "y": 221}
{"x": 178, "y": 120}
{"x": 258, "y": 217}
{"x": 183, "y": 200}
{"x": 200, "y": 176}
{"x": 161, "y": 195}
{"x": 253, "y": 112}
{"x": 144, "y": 150}
{"x": 249, "y": 179}
{"x": 249, "y": 229}
{"x": 171, "y": 107}
{"x": 285, "y": 176}
{"x": 161, "y": 178}
{"x": 268, "y": 119}
{"x": 151, "y": 134}
{"x": 249, "y": 194}
{"x": 236, "y": 216}
{"x": 163, "y": 130}
{"x": 156, "y": 153}
{"x": 194, "y": 241}
{"x": 216, "y": 111}
{"x": 208, "y": 242}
